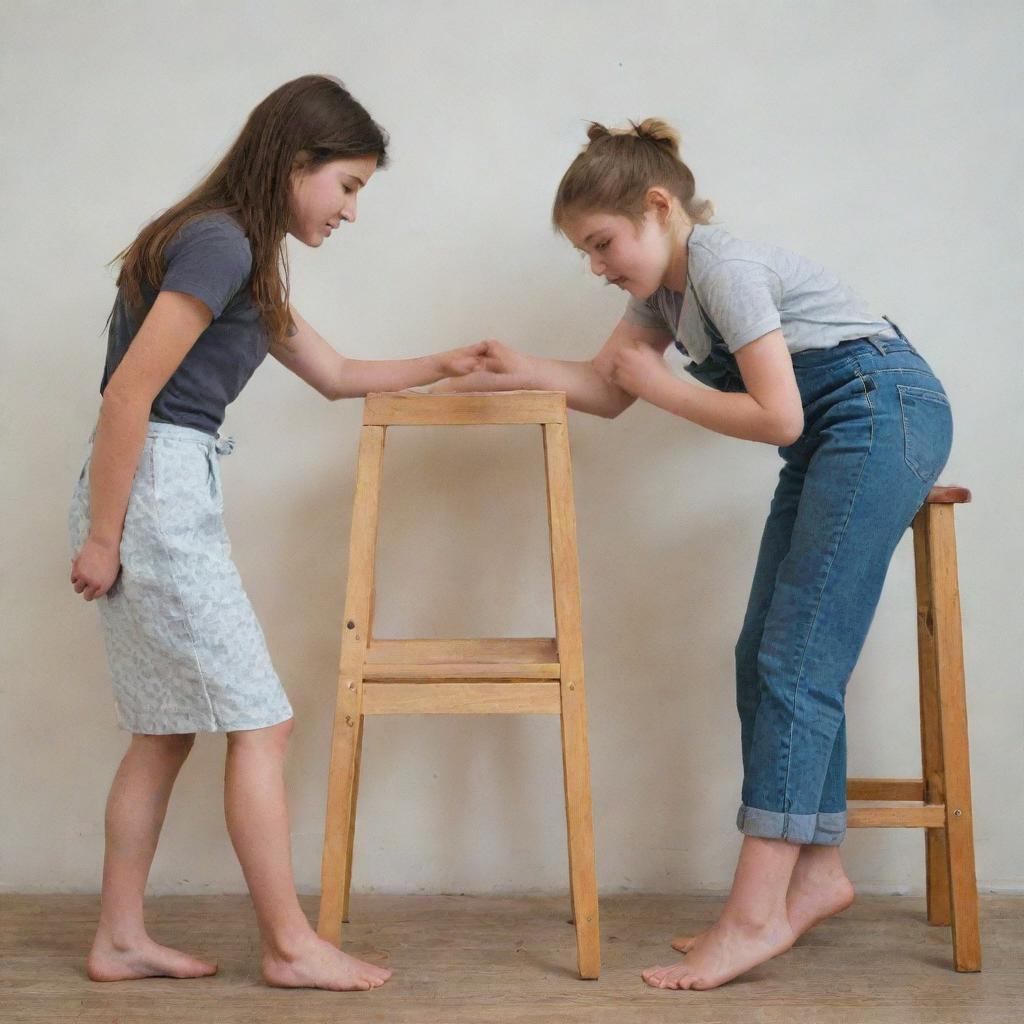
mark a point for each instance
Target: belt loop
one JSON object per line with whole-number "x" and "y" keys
{"x": 877, "y": 344}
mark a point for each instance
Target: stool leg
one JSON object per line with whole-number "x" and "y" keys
{"x": 355, "y": 780}
{"x": 936, "y": 866}
{"x": 575, "y": 753}
{"x": 339, "y": 828}
{"x": 352, "y": 819}
{"x": 949, "y": 667}
{"x": 336, "y": 871}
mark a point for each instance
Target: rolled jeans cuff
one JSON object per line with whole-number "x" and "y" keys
{"x": 828, "y": 829}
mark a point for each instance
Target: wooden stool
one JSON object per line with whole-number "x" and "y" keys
{"x": 943, "y": 796}
{"x": 501, "y": 676}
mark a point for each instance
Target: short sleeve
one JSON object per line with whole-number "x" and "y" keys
{"x": 742, "y": 299}
{"x": 643, "y": 313}
{"x": 209, "y": 259}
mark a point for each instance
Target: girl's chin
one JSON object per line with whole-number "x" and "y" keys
{"x": 638, "y": 291}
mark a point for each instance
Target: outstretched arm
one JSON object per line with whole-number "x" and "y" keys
{"x": 587, "y": 384}
{"x": 335, "y": 376}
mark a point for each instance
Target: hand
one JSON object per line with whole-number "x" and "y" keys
{"x": 502, "y": 368}
{"x": 511, "y": 365}
{"x": 638, "y": 369}
{"x": 95, "y": 567}
{"x": 459, "y": 361}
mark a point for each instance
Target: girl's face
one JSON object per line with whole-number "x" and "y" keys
{"x": 633, "y": 257}
{"x": 325, "y": 196}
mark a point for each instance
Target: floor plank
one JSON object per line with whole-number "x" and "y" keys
{"x": 473, "y": 960}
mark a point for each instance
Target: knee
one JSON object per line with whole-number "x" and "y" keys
{"x": 273, "y": 737}
{"x": 173, "y": 747}
{"x": 281, "y": 733}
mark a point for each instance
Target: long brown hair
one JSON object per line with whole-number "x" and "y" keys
{"x": 314, "y": 116}
{"x": 617, "y": 167}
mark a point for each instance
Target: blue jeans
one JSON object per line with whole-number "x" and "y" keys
{"x": 877, "y": 432}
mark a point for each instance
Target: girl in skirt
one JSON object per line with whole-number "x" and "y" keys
{"x": 202, "y": 299}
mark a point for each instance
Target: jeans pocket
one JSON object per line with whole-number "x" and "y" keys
{"x": 927, "y": 430}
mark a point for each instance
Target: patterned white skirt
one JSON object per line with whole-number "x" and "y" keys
{"x": 186, "y": 651}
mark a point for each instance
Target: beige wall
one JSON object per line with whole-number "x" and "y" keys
{"x": 881, "y": 140}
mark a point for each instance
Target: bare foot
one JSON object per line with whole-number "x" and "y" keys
{"x": 813, "y": 896}
{"x": 318, "y": 964}
{"x": 146, "y": 959}
{"x": 724, "y": 952}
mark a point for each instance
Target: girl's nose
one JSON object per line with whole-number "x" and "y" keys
{"x": 596, "y": 266}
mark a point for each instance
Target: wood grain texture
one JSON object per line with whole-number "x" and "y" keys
{"x": 413, "y": 409}
{"x": 509, "y": 960}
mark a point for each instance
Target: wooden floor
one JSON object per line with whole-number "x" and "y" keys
{"x": 470, "y": 960}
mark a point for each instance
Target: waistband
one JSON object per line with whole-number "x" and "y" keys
{"x": 885, "y": 344}
{"x": 172, "y": 432}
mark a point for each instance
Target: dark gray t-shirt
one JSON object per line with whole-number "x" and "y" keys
{"x": 210, "y": 259}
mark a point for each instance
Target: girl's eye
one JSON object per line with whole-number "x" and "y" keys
{"x": 601, "y": 246}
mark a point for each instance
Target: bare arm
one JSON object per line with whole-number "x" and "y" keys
{"x": 335, "y": 376}
{"x": 770, "y": 411}
{"x": 587, "y": 384}
{"x": 170, "y": 329}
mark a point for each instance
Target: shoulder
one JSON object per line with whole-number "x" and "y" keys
{"x": 209, "y": 258}
{"x": 213, "y": 236}
{"x": 720, "y": 260}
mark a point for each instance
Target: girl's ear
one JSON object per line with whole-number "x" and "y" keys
{"x": 302, "y": 162}
{"x": 659, "y": 203}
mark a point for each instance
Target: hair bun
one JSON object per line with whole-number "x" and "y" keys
{"x": 655, "y": 130}
{"x": 597, "y": 131}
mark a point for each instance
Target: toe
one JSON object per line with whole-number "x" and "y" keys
{"x": 656, "y": 975}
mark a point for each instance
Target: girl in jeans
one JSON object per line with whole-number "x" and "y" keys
{"x": 795, "y": 359}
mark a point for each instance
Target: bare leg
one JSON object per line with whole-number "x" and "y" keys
{"x": 257, "y": 816}
{"x": 136, "y": 808}
{"x": 818, "y": 889}
{"x": 753, "y": 928}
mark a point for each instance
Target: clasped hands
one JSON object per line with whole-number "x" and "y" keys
{"x": 491, "y": 365}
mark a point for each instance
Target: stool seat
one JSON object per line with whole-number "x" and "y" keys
{"x": 940, "y": 801}
{"x": 948, "y": 494}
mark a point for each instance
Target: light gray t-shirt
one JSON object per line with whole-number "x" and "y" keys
{"x": 737, "y": 291}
